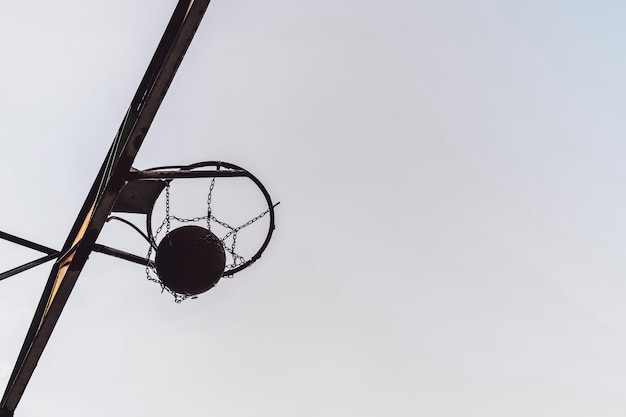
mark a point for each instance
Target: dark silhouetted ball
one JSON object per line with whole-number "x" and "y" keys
{"x": 190, "y": 260}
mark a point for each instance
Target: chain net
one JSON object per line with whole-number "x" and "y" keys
{"x": 229, "y": 240}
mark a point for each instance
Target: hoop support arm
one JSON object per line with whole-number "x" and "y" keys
{"x": 121, "y": 255}
{"x": 171, "y": 175}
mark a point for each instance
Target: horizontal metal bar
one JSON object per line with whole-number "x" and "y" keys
{"x": 27, "y": 243}
{"x": 170, "y": 175}
{"x": 122, "y": 255}
{"x": 28, "y": 266}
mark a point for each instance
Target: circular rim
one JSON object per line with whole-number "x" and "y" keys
{"x": 219, "y": 165}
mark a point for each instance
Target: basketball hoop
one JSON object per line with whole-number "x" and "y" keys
{"x": 190, "y": 259}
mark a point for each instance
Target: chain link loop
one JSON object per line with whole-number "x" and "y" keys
{"x": 208, "y": 204}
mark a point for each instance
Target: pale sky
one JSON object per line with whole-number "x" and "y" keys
{"x": 451, "y": 238}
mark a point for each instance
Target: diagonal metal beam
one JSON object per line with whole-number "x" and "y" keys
{"x": 99, "y": 202}
{"x": 28, "y": 265}
{"x": 27, "y": 243}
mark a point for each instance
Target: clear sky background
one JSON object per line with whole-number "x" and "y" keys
{"x": 451, "y": 239}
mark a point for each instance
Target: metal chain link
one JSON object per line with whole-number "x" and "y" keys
{"x": 167, "y": 207}
{"x": 234, "y": 230}
{"x": 166, "y": 221}
{"x": 208, "y": 204}
{"x": 190, "y": 220}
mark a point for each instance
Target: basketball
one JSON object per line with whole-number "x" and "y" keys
{"x": 190, "y": 260}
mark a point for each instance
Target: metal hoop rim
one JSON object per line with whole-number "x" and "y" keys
{"x": 244, "y": 173}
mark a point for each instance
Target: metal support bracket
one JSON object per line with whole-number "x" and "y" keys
{"x": 122, "y": 255}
